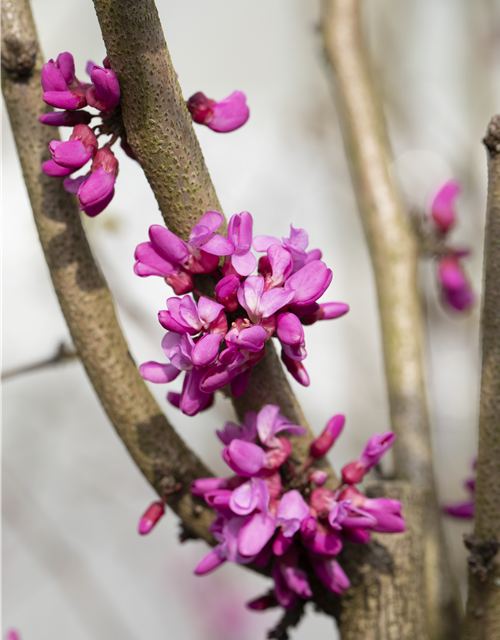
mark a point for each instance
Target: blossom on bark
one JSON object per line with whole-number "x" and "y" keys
{"x": 275, "y": 303}
{"x": 62, "y": 89}
{"x": 260, "y": 520}
{"x": 224, "y": 116}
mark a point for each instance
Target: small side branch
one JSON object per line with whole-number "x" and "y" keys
{"x": 62, "y": 354}
{"x": 483, "y": 604}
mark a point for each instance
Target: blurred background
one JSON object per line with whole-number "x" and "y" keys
{"x": 73, "y": 565}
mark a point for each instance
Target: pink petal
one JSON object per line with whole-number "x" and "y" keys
{"x": 210, "y": 562}
{"x": 96, "y": 188}
{"x": 206, "y": 350}
{"x": 244, "y": 263}
{"x": 71, "y": 154}
{"x": 262, "y": 243}
{"x": 52, "y": 78}
{"x": 442, "y": 207}
{"x": 51, "y": 168}
{"x": 157, "y": 372}
{"x": 66, "y": 64}
{"x": 72, "y": 99}
{"x": 309, "y": 283}
{"x": 171, "y": 246}
{"x": 229, "y": 114}
{"x": 255, "y": 533}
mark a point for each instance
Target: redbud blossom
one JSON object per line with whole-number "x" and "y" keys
{"x": 318, "y": 477}
{"x": 224, "y": 116}
{"x": 353, "y": 472}
{"x": 151, "y": 516}
{"x": 325, "y": 441}
{"x": 442, "y": 206}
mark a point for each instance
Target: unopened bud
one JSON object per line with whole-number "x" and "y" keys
{"x": 353, "y": 472}
{"x": 262, "y": 603}
{"x": 325, "y": 441}
{"x": 308, "y": 528}
{"x": 151, "y": 516}
{"x": 318, "y": 477}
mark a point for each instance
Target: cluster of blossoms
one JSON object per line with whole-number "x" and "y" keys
{"x": 63, "y": 90}
{"x": 455, "y": 287}
{"x": 258, "y": 520}
{"x": 463, "y": 509}
{"x": 217, "y": 342}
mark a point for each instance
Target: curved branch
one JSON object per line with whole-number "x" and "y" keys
{"x": 483, "y": 604}
{"x": 160, "y": 131}
{"x": 394, "y": 255}
{"x": 84, "y": 297}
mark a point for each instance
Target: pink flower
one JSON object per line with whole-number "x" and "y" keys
{"x": 150, "y": 517}
{"x": 239, "y": 232}
{"x": 326, "y": 440}
{"x": 104, "y": 94}
{"x": 166, "y": 253}
{"x": 331, "y": 574}
{"x": 77, "y": 151}
{"x": 292, "y": 510}
{"x": 97, "y": 191}
{"x": 61, "y": 88}
{"x": 455, "y": 287}
{"x": 443, "y": 205}
{"x": 224, "y": 116}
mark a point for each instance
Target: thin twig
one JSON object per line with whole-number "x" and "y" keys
{"x": 394, "y": 254}
{"x": 62, "y": 354}
{"x": 482, "y": 619}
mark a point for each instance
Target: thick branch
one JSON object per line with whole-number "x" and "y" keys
{"x": 394, "y": 255}
{"x": 387, "y": 577}
{"x": 158, "y": 124}
{"x": 83, "y": 294}
{"x": 483, "y": 604}
{"x": 160, "y": 130}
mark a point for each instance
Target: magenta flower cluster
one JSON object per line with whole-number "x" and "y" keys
{"x": 456, "y": 291}
{"x": 63, "y": 90}
{"x": 260, "y": 521}
{"x": 218, "y": 341}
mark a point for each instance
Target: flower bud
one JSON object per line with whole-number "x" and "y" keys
{"x": 308, "y": 528}
{"x": 325, "y": 441}
{"x": 318, "y": 477}
{"x": 151, "y": 516}
{"x": 353, "y": 472}
{"x": 443, "y": 203}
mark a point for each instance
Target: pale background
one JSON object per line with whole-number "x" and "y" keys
{"x": 73, "y": 564}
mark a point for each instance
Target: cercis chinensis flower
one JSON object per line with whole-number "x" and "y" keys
{"x": 217, "y": 341}
{"x": 456, "y": 291}
{"x": 62, "y": 89}
{"x": 275, "y": 516}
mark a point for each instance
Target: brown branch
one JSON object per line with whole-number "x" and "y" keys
{"x": 160, "y": 131}
{"x": 393, "y": 251}
{"x": 157, "y": 122}
{"x": 85, "y": 300}
{"x": 482, "y": 619}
